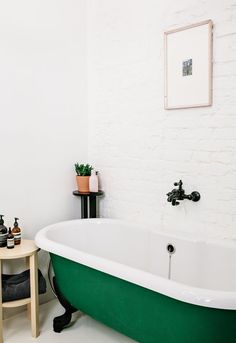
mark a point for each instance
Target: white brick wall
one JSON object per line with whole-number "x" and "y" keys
{"x": 139, "y": 148}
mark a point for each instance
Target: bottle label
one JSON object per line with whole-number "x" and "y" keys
{"x": 3, "y": 237}
{"x": 10, "y": 242}
{"x": 17, "y": 235}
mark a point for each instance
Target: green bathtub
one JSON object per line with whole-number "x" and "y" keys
{"x": 143, "y": 315}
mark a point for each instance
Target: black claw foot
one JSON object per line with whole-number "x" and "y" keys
{"x": 60, "y": 322}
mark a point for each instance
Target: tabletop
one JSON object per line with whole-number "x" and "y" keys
{"x": 26, "y": 248}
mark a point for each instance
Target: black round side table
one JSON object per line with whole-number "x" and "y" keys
{"x": 90, "y": 198}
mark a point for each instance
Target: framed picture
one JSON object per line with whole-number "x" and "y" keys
{"x": 188, "y": 66}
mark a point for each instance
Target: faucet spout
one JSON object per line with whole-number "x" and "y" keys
{"x": 175, "y": 202}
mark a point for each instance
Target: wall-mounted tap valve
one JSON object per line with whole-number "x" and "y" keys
{"x": 179, "y": 194}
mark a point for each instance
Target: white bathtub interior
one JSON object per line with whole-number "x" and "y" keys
{"x": 200, "y": 263}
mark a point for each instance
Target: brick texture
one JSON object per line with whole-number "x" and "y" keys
{"x": 139, "y": 148}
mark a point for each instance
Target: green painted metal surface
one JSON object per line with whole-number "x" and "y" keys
{"x": 144, "y": 315}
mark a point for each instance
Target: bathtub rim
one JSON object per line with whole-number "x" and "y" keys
{"x": 179, "y": 291}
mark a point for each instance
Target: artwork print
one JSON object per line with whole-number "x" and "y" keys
{"x": 188, "y": 66}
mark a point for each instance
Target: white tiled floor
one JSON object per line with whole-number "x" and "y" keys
{"x": 84, "y": 329}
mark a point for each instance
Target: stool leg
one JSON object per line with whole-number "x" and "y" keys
{"x": 28, "y": 305}
{"x": 92, "y": 207}
{"x": 1, "y": 310}
{"x": 34, "y": 295}
{"x": 84, "y": 206}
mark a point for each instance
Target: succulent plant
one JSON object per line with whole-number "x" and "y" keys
{"x": 83, "y": 169}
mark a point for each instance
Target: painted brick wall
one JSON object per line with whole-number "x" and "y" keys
{"x": 139, "y": 148}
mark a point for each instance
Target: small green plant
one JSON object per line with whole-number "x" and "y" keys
{"x": 83, "y": 169}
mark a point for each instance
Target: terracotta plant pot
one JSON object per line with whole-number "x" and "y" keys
{"x": 83, "y": 183}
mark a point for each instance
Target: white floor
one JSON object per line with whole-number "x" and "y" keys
{"x": 83, "y": 329}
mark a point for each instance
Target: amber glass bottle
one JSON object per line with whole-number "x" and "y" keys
{"x": 16, "y": 231}
{"x": 10, "y": 240}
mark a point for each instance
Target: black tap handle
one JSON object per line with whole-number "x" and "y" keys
{"x": 180, "y": 184}
{"x": 195, "y": 196}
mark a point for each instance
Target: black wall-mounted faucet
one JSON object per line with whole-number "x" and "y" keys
{"x": 179, "y": 194}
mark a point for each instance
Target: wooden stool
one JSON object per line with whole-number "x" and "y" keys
{"x": 26, "y": 249}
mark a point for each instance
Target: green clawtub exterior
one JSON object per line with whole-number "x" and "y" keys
{"x": 139, "y": 313}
